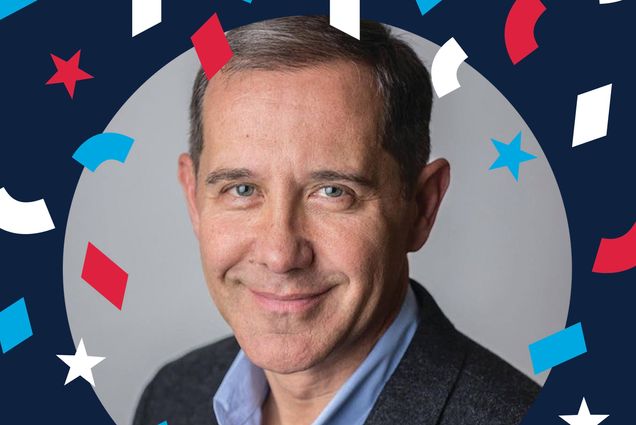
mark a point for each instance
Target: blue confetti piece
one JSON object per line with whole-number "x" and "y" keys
{"x": 557, "y": 348}
{"x": 9, "y": 7}
{"x": 164, "y": 423}
{"x": 511, "y": 155}
{"x": 103, "y": 147}
{"x": 426, "y": 5}
{"x": 15, "y": 326}
{"x": 250, "y": 2}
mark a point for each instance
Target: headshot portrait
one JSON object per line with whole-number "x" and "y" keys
{"x": 310, "y": 179}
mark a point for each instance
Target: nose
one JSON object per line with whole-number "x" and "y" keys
{"x": 281, "y": 244}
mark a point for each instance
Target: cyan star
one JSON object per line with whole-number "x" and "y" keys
{"x": 511, "y": 155}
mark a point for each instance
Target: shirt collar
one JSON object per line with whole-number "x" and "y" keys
{"x": 244, "y": 388}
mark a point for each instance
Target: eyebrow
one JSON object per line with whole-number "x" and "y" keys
{"x": 229, "y": 174}
{"x": 334, "y": 175}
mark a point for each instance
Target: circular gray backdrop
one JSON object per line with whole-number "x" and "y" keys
{"x": 498, "y": 260}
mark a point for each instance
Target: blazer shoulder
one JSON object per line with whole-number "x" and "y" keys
{"x": 489, "y": 390}
{"x": 182, "y": 390}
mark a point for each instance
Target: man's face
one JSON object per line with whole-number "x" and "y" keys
{"x": 298, "y": 213}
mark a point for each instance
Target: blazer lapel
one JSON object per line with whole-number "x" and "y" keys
{"x": 418, "y": 390}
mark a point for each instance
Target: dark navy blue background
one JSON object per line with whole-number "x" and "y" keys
{"x": 583, "y": 45}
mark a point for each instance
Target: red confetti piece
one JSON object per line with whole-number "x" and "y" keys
{"x": 616, "y": 255}
{"x": 104, "y": 275}
{"x": 68, "y": 72}
{"x": 519, "y": 29}
{"x": 211, "y": 46}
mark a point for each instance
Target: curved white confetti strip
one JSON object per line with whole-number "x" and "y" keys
{"x": 607, "y": 1}
{"x": 592, "y": 115}
{"x": 345, "y": 15}
{"x": 445, "y": 65}
{"x": 145, "y": 14}
{"x": 23, "y": 218}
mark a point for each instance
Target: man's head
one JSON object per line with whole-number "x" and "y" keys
{"x": 399, "y": 78}
{"x": 307, "y": 184}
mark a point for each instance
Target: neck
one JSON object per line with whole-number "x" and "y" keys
{"x": 299, "y": 398}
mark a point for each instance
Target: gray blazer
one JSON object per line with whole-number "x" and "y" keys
{"x": 444, "y": 378}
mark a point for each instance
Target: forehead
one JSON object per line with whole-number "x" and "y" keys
{"x": 318, "y": 111}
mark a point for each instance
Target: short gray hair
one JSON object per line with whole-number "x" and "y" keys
{"x": 295, "y": 42}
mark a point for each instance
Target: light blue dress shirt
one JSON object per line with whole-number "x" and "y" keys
{"x": 244, "y": 388}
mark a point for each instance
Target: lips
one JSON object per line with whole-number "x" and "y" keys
{"x": 288, "y": 303}
{"x": 289, "y": 297}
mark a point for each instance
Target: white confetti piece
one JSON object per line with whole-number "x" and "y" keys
{"x": 592, "y": 115}
{"x": 345, "y": 15}
{"x": 145, "y": 14}
{"x": 23, "y": 218}
{"x": 445, "y": 65}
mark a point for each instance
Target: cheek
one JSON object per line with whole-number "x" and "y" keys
{"x": 357, "y": 243}
{"x": 357, "y": 247}
{"x": 222, "y": 242}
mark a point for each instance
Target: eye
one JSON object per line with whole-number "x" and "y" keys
{"x": 243, "y": 190}
{"x": 332, "y": 191}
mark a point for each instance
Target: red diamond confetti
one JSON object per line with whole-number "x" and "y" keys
{"x": 211, "y": 46}
{"x": 104, "y": 275}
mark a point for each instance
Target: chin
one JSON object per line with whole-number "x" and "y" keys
{"x": 282, "y": 353}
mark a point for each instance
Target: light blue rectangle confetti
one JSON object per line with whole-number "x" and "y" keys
{"x": 557, "y": 348}
{"x": 8, "y": 7}
{"x": 15, "y": 326}
{"x": 426, "y": 5}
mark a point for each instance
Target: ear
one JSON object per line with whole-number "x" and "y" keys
{"x": 188, "y": 180}
{"x": 429, "y": 192}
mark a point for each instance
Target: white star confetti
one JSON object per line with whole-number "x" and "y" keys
{"x": 583, "y": 417}
{"x": 80, "y": 364}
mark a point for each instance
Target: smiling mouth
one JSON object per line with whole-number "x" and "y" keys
{"x": 288, "y": 303}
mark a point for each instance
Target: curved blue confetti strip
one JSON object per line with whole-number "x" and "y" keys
{"x": 9, "y": 7}
{"x": 103, "y": 147}
{"x": 557, "y": 348}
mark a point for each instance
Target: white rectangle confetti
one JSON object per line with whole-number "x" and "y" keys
{"x": 345, "y": 15}
{"x": 145, "y": 14}
{"x": 592, "y": 115}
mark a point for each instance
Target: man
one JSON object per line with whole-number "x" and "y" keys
{"x": 307, "y": 184}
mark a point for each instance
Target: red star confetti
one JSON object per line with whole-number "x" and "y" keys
{"x": 68, "y": 72}
{"x": 104, "y": 275}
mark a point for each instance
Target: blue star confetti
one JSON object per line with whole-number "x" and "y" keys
{"x": 511, "y": 155}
